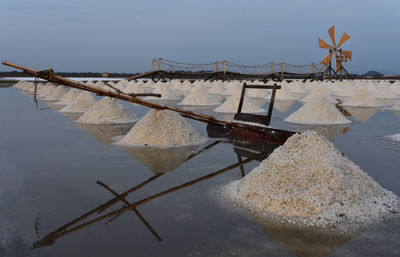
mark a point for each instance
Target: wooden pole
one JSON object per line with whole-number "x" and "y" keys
{"x": 49, "y": 76}
{"x": 281, "y": 70}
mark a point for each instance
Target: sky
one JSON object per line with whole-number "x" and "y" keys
{"x": 125, "y": 35}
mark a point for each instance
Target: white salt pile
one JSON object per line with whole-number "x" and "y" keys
{"x": 68, "y": 97}
{"x": 361, "y": 97}
{"x": 232, "y": 102}
{"x": 318, "y": 112}
{"x": 56, "y": 94}
{"x": 81, "y": 104}
{"x": 384, "y": 92}
{"x": 308, "y": 182}
{"x": 165, "y": 92}
{"x": 199, "y": 97}
{"x": 162, "y": 128}
{"x": 284, "y": 94}
{"x": 107, "y": 111}
{"x": 216, "y": 88}
{"x": 395, "y": 137}
{"x": 317, "y": 93}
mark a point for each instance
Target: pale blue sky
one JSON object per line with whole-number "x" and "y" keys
{"x": 124, "y": 36}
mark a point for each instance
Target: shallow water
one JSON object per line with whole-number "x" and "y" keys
{"x": 53, "y": 170}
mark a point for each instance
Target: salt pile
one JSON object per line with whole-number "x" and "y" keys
{"x": 318, "y": 112}
{"x": 56, "y": 94}
{"x": 216, "y": 88}
{"x": 107, "y": 111}
{"x": 232, "y": 102}
{"x": 362, "y": 98}
{"x": 165, "y": 92}
{"x": 80, "y": 104}
{"x": 199, "y": 97}
{"x": 308, "y": 182}
{"x": 317, "y": 93}
{"x": 284, "y": 94}
{"x": 162, "y": 128}
{"x": 68, "y": 97}
{"x": 384, "y": 92}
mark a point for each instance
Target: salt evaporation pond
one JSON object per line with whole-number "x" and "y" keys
{"x": 53, "y": 171}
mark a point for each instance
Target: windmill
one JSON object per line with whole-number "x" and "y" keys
{"x": 335, "y": 50}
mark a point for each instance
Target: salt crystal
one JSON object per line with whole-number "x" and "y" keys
{"x": 318, "y": 112}
{"x": 162, "y": 128}
{"x": 361, "y": 98}
{"x": 307, "y": 181}
{"x": 107, "y": 111}
{"x": 232, "y": 102}
{"x": 69, "y": 97}
{"x": 199, "y": 97}
{"x": 81, "y": 104}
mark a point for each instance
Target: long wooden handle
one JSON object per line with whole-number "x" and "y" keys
{"x": 120, "y": 95}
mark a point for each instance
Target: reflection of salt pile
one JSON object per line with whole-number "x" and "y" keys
{"x": 162, "y": 129}
{"x": 396, "y": 106}
{"x": 283, "y": 105}
{"x": 199, "y": 96}
{"x": 362, "y": 97}
{"x": 308, "y": 182}
{"x": 81, "y": 103}
{"x": 160, "y": 160}
{"x": 318, "y": 112}
{"x": 362, "y": 113}
{"x": 105, "y": 132}
{"x": 329, "y": 132}
{"x": 68, "y": 97}
{"x": 303, "y": 242}
{"x": 107, "y": 111}
{"x": 232, "y": 102}
{"x": 395, "y": 137}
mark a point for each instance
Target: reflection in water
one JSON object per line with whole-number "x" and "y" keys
{"x": 385, "y": 102}
{"x": 283, "y": 105}
{"x": 396, "y": 112}
{"x": 80, "y": 223}
{"x": 72, "y": 116}
{"x": 54, "y": 107}
{"x": 362, "y": 113}
{"x": 330, "y": 132}
{"x": 161, "y": 160}
{"x": 105, "y": 132}
{"x": 259, "y": 101}
{"x": 305, "y": 242}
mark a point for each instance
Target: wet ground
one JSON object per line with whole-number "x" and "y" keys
{"x": 53, "y": 171}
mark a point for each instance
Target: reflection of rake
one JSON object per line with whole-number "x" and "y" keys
{"x": 68, "y": 228}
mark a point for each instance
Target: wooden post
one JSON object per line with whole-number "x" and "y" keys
{"x": 216, "y": 66}
{"x": 271, "y": 104}
{"x": 323, "y": 74}
{"x": 281, "y": 70}
{"x": 313, "y": 68}
{"x": 159, "y": 68}
{"x": 153, "y": 64}
{"x": 241, "y": 98}
{"x": 224, "y": 66}
{"x": 272, "y": 67}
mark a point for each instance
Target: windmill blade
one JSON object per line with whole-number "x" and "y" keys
{"x": 323, "y": 44}
{"x": 347, "y": 54}
{"x": 327, "y": 59}
{"x": 344, "y": 38}
{"x": 331, "y": 32}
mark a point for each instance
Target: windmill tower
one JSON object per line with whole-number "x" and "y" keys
{"x": 340, "y": 55}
